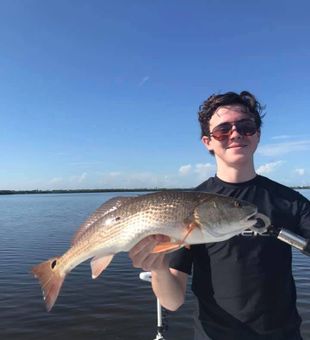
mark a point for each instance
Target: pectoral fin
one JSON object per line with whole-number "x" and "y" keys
{"x": 99, "y": 264}
{"x": 167, "y": 247}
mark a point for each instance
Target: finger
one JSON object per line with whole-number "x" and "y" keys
{"x": 143, "y": 258}
{"x": 146, "y": 259}
{"x": 153, "y": 262}
{"x": 147, "y": 244}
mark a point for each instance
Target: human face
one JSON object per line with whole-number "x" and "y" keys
{"x": 236, "y": 148}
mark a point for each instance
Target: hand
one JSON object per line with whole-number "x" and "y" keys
{"x": 142, "y": 257}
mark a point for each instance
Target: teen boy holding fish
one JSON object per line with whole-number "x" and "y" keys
{"x": 244, "y": 286}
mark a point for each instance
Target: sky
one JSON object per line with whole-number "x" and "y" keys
{"x": 104, "y": 94}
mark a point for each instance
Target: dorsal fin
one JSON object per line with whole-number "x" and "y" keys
{"x": 107, "y": 207}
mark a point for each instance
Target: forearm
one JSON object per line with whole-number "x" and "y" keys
{"x": 169, "y": 286}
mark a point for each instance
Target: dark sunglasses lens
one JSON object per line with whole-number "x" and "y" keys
{"x": 222, "y": 131}
{"x": 246, "y": 127}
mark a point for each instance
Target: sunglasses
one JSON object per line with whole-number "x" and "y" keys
{"x": 244, "y": 127}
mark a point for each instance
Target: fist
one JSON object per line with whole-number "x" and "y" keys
{"x": 142, "y": 257}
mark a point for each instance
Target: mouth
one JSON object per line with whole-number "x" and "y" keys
{"x": 252, "y": 216}
{"x": 236, "y": 146}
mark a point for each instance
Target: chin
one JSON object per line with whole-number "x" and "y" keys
{"x": 240, "y": 152}
{"x": 239, "y": 159}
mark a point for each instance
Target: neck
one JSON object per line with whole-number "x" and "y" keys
{"x": 235, "y": 173}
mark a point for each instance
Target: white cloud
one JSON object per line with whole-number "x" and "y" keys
{"x": 204, "y": 170}
{"x": 79, "y": 179}
{"x": 290, "y": 137}
{"x": 114, "y": 174}
{"x": 56, "y": 180}
{"x": 300, "y": 172}
{"x": 283, "y": 148}
{"x": 185, "y": 170}
{"x": 188, "y": 176}
{"x": 283, "y": 137}
{"x": 54, "y": 183}
{"x": 134, "y": 180}
{"x": 269, "y": 167}
{"x": 82, "y": 178}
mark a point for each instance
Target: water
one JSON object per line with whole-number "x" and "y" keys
{"x": 117, "y": 305}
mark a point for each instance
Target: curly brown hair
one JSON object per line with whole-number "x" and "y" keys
{"x": 245, "y": 98}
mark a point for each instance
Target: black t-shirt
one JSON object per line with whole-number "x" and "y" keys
{"x": 244, "y": 285}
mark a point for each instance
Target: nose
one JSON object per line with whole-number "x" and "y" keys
{"x": 234, "y": 132}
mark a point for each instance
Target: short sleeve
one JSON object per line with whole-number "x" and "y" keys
{"x": 182, "y": 260}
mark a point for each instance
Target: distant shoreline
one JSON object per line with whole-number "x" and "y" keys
{"x": 77, "y": 191}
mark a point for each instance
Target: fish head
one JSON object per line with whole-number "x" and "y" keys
{"x": 222, "y": 217}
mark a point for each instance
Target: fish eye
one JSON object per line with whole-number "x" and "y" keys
{"x": 53, "y": 264}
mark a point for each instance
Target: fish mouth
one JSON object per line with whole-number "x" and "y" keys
{"x": 261, "y": 222}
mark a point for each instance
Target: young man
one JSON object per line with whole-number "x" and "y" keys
{"x": 244, "y": 286}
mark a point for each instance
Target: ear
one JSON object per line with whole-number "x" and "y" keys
{"x": 206, "y": 141}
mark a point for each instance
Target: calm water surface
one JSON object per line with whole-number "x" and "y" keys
{"x": 117, "y": 305}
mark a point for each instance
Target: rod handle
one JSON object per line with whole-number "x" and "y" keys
{"x": 295, "y": 240}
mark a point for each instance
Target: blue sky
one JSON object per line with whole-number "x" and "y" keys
{"x": 104, "y": 94}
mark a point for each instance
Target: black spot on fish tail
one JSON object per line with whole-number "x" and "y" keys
{"x": 53, "y": 264}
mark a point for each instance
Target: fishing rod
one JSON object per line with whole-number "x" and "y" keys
{"x": 161, "y": 326}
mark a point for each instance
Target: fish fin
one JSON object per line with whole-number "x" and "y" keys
{"x": 99, "y": 264}
{"x": 50, "y": 279}
{"x": 190, "y": 228}
{"x": 167, "y": 247}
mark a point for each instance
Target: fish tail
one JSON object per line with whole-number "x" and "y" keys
{"x": 51, "y": 280}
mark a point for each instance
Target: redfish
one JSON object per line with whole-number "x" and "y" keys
{"x": 187, "y": 217}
